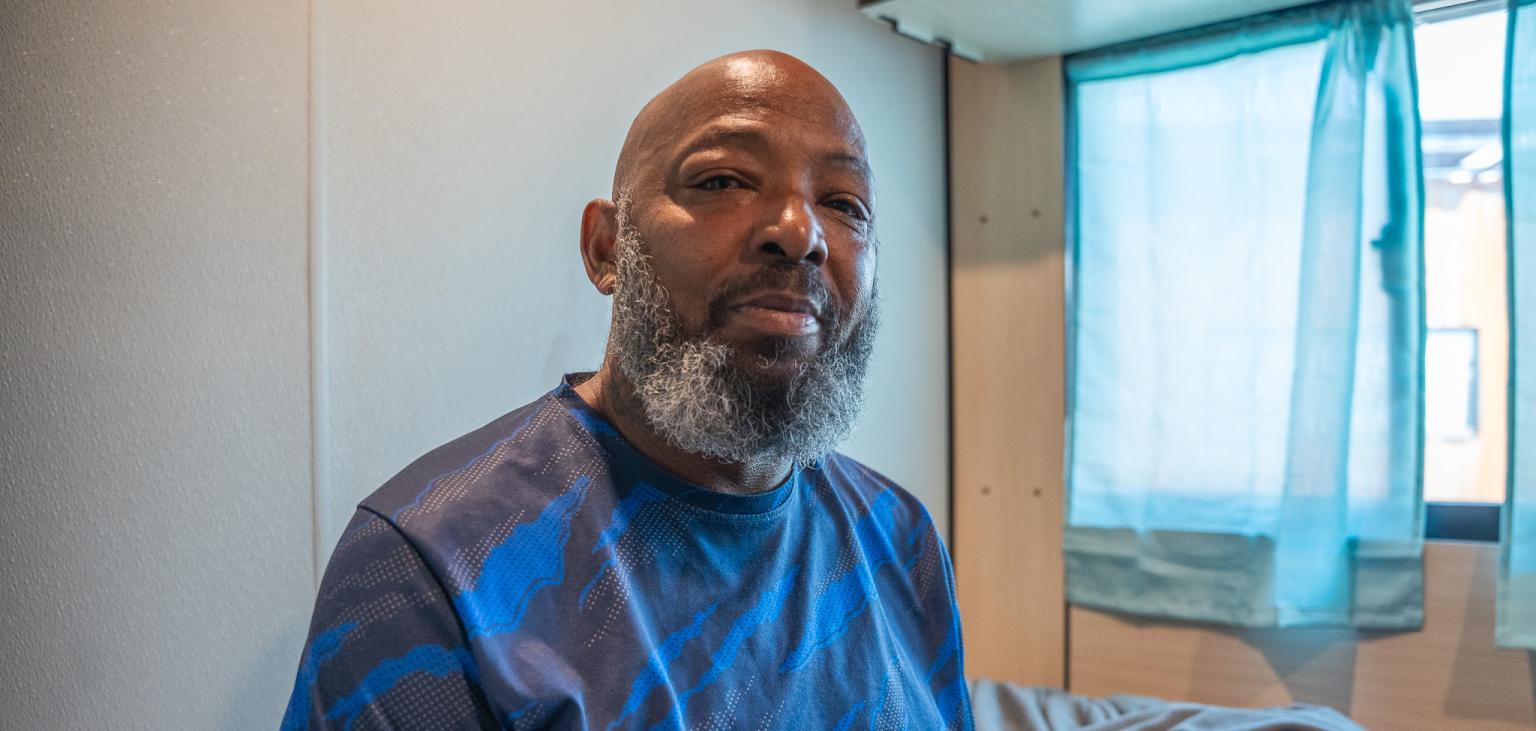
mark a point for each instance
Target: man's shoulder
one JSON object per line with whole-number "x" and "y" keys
{"x": 865, "y": 487}
{"x": 495, "y": 461}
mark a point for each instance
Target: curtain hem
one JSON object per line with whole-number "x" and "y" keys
{"x": 1230, "y": 579}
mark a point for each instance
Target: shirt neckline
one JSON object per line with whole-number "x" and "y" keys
{"x": 631, "y": 460}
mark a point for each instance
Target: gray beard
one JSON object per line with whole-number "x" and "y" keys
{"x": 706, "y": 398}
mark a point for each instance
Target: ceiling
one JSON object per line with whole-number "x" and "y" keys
{"x": 1010, "y": 30}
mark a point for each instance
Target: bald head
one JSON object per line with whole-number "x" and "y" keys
{"x": 746, "y": 86}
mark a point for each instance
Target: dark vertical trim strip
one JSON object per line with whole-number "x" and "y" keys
{"x": 949, "y": 305}
{"x": 1066, "y": 645}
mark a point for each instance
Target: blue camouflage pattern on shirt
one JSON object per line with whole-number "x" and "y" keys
{"x": 541, "y": 573}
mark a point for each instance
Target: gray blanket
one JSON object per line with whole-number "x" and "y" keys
{"x": 1003, "y": 707}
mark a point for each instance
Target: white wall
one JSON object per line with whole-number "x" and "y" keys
{"x": 155, "y": 443}
{"x": 154, "y": 408}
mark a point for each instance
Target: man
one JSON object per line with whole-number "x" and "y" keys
{"x": 669, "y": 542}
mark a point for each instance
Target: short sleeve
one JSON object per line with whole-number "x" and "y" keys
{"x": 954, "y": 698}
{"x": 385, "y": 648}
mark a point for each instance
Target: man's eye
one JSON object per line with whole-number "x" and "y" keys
{"x": 849, "y": 208}
{"x": 721, "y": 182}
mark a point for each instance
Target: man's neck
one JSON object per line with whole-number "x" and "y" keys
{"x": 610, "y": 394}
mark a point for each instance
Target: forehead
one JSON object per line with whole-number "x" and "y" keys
{"x": 766, "y": 109}
{"x": 743, "y": 85}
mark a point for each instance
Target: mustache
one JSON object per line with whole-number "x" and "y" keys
{"x": 803, "y": 280}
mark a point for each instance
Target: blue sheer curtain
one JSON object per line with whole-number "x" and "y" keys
{"x": 1245, "y": 416}
{"x": 1517, "y": 580}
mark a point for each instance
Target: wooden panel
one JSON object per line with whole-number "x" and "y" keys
{"x": 1447, "y": 676}
{"x": 1009, "y": 366}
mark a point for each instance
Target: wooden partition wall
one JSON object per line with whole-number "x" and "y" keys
{"x": 1008, "y": 328}
{"x": 1008, "y": 345}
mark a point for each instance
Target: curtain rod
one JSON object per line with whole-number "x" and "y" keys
{"x": 1434, "y": 11}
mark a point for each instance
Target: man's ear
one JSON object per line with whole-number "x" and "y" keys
{"x": 599, "y": 234}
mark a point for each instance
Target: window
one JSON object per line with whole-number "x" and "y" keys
{"x": 1245, "y": 354}
{"x": 1460, "y": 65}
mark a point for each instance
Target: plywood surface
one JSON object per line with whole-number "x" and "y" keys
{"x": 1009, "y": 366}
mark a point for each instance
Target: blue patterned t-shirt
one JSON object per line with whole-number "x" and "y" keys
{"x": 541, "y": 573}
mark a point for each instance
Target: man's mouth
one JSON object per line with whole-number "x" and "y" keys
{"x": 778, "y": 313}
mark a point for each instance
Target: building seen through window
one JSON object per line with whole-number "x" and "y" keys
{"x": 1460, "y": 60}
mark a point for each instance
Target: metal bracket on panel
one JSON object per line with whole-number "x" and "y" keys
{"x": 923, "y": 34}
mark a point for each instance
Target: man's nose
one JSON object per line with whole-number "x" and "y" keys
{"x": 794, "y": 233}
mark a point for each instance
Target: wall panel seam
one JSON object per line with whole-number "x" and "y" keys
{"x": 318, "y": 356}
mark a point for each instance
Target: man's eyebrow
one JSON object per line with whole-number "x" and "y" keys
{"x": 851, "y": 160}
{"x": 754, "y": 140}
{"x": 724, "y": 136}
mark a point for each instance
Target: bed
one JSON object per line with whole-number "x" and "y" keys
{"x": 1004, "y": 707}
